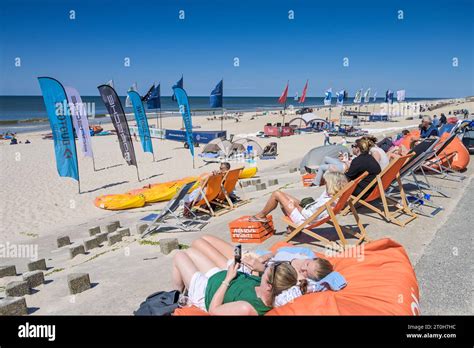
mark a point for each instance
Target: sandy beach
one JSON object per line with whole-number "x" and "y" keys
{"x": 39, "y": 206}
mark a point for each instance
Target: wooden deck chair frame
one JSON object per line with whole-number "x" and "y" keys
{"x": 205, "y": 197}
{"x": 342, "y": 198}
{"x": 228, "y": 185}
{"x": 377, "y": 189}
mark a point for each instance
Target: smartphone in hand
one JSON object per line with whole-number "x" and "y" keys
{"x": 238, "y": 253}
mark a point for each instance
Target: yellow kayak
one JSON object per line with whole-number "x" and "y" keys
{"x": 120, "y": 201}
{"x": 248, "y": 173}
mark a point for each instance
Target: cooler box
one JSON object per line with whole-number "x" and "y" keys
{"x": 244, "y": 231}
{"x": 308, "y": 179}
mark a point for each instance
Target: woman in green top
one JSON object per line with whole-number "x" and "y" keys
{"x": 230, "y": 292}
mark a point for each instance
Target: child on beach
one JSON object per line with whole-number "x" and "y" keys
{"x": 293, "y": 207}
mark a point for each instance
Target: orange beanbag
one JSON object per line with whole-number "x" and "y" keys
{"x": 380, "y": 281}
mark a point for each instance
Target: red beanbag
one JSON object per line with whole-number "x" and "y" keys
{"x": 380, "y": 281}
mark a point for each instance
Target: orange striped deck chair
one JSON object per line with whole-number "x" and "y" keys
{"x": 209, "y": 190}
{"x": 229, "y": 182}
{"x": 377, "y": 189}
{"x": 341, "y": 199}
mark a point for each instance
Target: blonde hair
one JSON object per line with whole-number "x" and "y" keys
{"x": 364, "y": 144}
{"x": 282, "y": 276}
{"x": 335, "y": 181}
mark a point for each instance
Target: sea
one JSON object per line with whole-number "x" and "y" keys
{"x": 19, "y": 114}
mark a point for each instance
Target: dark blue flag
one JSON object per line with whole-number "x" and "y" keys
{"x": 179, "y": 84}
{"x": 154, "y": 99}
{"x": 216, "y": 95}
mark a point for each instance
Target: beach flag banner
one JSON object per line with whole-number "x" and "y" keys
{"x": 341, "y": 97}
{"x": 55, "y": 100}
{"x": 119, "y": 120}
{"x": 303, "y": 95}
{"x": 284, "y": 95}
{"x": 328, "y": 97}
{"x": 401, "y": 95}
{"x": 179, "y": 84}
{"x": 358, "y": 96}
{"x": 80, "y": 121}
{"x": 389, "y": 96}
{"x": 367, "y": 96}
{"x": 183, "y": 104}
{"x": 154, "y": 99}
{"x": 128, "y": 102}
{"x": 147, "y": 94}
{"x": 216, "y": 97}
{"x": 142, "y": 121}
{"x": 375, "y": 96}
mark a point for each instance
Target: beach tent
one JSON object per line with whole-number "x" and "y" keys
{"x": 218, "y": 146}
{"x": 298, "y": 122}
{"x": 308, "y": 117}
{"x": 241, "y": 145}
{"x": 316, "y": 156}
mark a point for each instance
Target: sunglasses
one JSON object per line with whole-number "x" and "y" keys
{"x": 274, "y": 266}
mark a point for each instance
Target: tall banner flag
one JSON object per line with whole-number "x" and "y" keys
{"x": 55, "y": 100}
{"x": 401, "y": 95}
{"x": 328, "y": 97}
{"x": 358, "y": 96}
{"x": 142, "y": 121}
{"x": 367, "y": 96}
{"x": 341, "y": 95}
{"x": 284, "y": 95}
{"x": 153, "y": 101}
{"x": 128, "y": 103}
{"x": 389, "y": 96}
{"x": 216, "y": 97}
{"x": 183, "y": 104}
{"x": 375, "y": 96}
{"x": 80, "y": 121}
{"x": 303, "y": 95}
{"x": 147, "y": 94}
{"x": 179, "y": 84}
{"x": 119, "y": 120}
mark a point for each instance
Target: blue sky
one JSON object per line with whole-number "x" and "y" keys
{"x": 414, "y": 53}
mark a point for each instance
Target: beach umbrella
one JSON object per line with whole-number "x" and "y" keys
{"x": 316, "y": 156}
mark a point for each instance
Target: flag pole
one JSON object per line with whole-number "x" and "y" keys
{"x": 138, "y": 174}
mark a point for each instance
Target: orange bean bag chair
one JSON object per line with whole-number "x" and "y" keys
{"x": 380, "y": 281}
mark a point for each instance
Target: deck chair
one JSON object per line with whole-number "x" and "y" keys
{"x": 209, "y": 190}
{"x": 342, "y": 198}
{"x": 170, "y": 210}
{"x": 229, "y": 182}
{"x": 377, "y": 188}
{"x": 435, "y": 164}
{"x": 422, "y": 152}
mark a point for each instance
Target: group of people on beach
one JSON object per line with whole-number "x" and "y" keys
{"x": 221, "y": 285}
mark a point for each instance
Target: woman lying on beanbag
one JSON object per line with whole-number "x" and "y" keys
{"x": 314, "y": 274}
{"x": 220, "y": 292}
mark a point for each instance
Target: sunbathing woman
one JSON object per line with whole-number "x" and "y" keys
{"x": 303, "y": 260}
{"x": 291, "y": 206}
{"x": 220, "y": 292}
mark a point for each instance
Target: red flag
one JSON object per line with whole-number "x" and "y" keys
{"x": 303, "y": 96}
{"x": 284, "y": 95}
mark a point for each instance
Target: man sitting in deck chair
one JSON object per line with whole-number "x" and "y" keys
{"x": 298, "y": 211}
{"x": 197, "y": 194}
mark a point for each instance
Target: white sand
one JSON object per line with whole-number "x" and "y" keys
{"x": 35, "y": 201}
